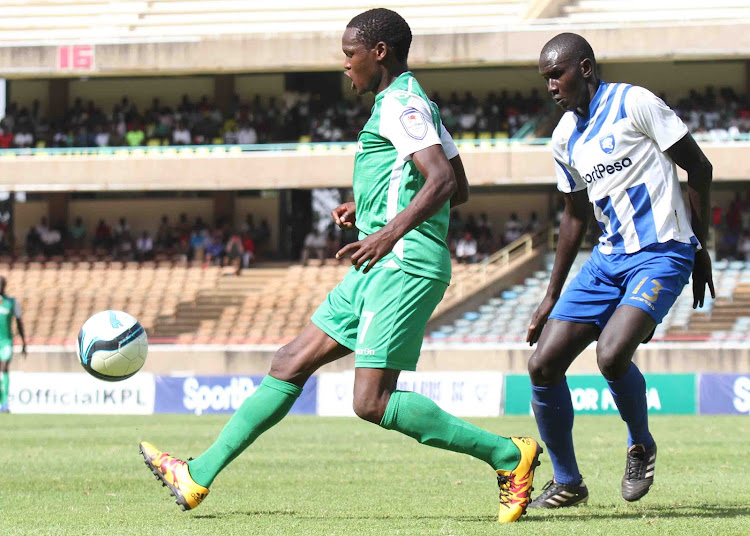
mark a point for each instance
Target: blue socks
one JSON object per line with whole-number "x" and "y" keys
{"x": 629, "y": 393}
{"x": 553, "y": 409}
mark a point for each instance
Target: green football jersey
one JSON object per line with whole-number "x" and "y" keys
{"x": 403, "y": 121}
{"x": 9, "y": 309}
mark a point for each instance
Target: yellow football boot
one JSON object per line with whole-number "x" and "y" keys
{"x": 515, "y": 485}
{"x": 174, "y": 474}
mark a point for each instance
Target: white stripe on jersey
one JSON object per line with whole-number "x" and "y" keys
{"x": 391, "y": 204}
{"x": 618, "y": 157}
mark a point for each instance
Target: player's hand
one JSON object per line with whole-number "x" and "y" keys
{"x": 344, "y": 215}
{"x": 369, "y": 250}
{"x": 539, "y": 320}
{"x": 701, "y": 277}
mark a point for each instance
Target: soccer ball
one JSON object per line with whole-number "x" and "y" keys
{"x": 112, "y": 346}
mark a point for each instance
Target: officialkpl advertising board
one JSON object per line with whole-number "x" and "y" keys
{"x": 79, "y": 393}
{"x": 666, "y": 394}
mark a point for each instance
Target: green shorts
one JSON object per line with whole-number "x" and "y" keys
{"x": 380, "y": 315}
{"x": 6, "y": 351}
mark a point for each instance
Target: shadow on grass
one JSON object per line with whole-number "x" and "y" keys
{"x": 686, "y": 511}
{"x": 328, "y": 516}
{"x": 578, "y": 514}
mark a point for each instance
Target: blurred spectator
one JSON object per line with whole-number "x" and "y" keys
{"x": 6, "y": 137}
{"x": 196, "y": 244}
{"x": 33, "y": 242}
{"x": 483, "y": 226}
{"x": 247, "y": 134}
{"x": 135, "y": 136}
{"x": 101, "y": 137}
{"x": 102, "y": 236}
{"x": 248, "y": 246}
{"x": 513, "y": 229}
{"x": 466, "y": 249}
{"x": 78, "y": 234}
{"x": 214, "y": 248}
{"x": 181, "y": 135}
{"x": 744, "y": 245}
{"x": 144, "y": 247}
{"x": 23, "y": 138}
{"x": 164, "y": 236}
{"x": 533, "y": 224}
{"x": 234, "y": 251}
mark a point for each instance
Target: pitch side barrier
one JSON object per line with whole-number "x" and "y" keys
{"x": 466, "y": 394}
{"x": 488, "y": 161}
{"x": 471, "y": 142}
{"x": 482, "y": 392}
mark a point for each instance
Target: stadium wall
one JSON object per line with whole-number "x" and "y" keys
{"x": 312, "y": 167}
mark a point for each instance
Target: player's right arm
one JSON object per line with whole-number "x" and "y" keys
{"x": 572, "y": 230}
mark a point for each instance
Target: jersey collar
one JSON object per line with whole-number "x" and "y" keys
{"x": 380, "y": 95}
{"x": 593, "y": 105}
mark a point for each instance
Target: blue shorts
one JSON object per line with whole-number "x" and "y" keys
{"x": 650, "y": 279}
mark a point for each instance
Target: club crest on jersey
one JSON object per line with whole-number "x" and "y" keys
{"x": 414, "y": 123}
{"x": 607, "y": 143}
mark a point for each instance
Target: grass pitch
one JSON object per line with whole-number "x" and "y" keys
{"x": 73, "y": 475}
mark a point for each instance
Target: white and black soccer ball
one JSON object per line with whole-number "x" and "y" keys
{"x": 112, "y": 346}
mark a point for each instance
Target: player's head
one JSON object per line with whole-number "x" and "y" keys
{"x": 568, "y": 65}
{"x": 2, "y": 285}
{"x": 375, "y": 42}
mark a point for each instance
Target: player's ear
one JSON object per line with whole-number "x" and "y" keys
{"x": 381, "y": 50}
{"x": 587, "y": 68}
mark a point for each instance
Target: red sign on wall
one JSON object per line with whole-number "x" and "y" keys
{"x": 75, "y": 58}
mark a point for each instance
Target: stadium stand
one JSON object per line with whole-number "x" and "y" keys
{"x": 71, "y": 20}
{"x": 618, "y": 11}
{"x": 57, "y": 298}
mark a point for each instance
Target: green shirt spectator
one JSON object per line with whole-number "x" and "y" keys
{"x": 135, "y": 137}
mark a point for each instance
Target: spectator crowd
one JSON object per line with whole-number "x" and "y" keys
{"x": 288, "y": 118}
{"x": 221, "y": 244}
{"x": 293, "y": 116}
{"x": 731, "y": 227}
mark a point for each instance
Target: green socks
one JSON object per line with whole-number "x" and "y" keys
{"x": 420, "y": 418}
{"x": 270, "y": 402}
{"x": 4, "y": 388}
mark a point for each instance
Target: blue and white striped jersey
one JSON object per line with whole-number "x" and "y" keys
{"x": 618, "y": 156}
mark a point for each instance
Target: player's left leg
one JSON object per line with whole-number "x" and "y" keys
{"x": 514, "y": 459}
{"x": 627, "y": 328}
{"x": 395, "y": 307}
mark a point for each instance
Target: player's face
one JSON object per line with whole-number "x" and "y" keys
{"x": 360, "y": 63}
{"x": 565, "y": 81}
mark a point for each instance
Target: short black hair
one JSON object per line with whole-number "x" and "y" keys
{"x": 573, "y": 46}
{"x": 384, "y": 25}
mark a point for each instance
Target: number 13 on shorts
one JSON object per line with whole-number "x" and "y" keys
{"x": 654, "y": 295}
{"x": 366, "y": 320}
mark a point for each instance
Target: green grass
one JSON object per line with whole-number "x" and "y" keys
{"x": 323, "y": 476}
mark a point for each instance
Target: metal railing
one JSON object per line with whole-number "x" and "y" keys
{"x": 477, "y": 275}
